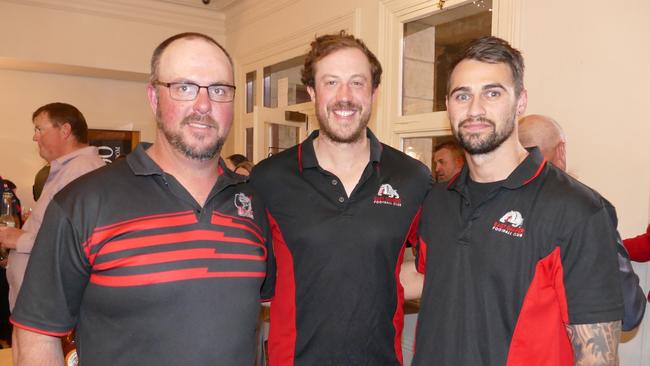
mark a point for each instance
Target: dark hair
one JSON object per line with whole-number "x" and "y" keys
{"x": 157, "y": 53}
{"x": 324, "y": 45}
{"x": 237, "y": 159}
{"x": 452, "y": 146}
{"x": 494, "y": 50}
{"x": 62, "y": 113}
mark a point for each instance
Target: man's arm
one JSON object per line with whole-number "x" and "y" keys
{"x": 38, "y": 349}
{"x": 412, "y": 281}
{"x": 595, "y": 344}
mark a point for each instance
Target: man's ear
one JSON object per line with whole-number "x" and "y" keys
{"x": 522, "y": 102}
{"x": 312, "y": 93}
{"x": 560, "y": 155}
{"x": 152, "y": 97}
{"x": 66, "y": 130}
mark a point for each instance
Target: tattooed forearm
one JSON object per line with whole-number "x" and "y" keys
{"x": 595, "y": 344}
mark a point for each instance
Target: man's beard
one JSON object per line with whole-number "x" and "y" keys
{"x": 331, "y": 134}
{"x": 474, "y": 144}
{"x": 175, "y": 138}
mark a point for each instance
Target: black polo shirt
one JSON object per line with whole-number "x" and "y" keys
{"x": 504, "y": 277}
{"x": 338, "y": 300}
{"x": 147, "y": 275}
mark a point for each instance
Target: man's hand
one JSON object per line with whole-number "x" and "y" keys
{"x": 595, "y": 344}
{"x": 412, "y": 281}
{"x": 9, "y": 236}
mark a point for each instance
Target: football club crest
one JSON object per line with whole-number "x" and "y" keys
{"x": 511, "y": 224}
{"x": 244, "y": 205}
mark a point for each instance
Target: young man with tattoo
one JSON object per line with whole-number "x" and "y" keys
{"x": 520, "y": 258}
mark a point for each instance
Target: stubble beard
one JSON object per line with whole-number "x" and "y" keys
{"x": 175, "y": 138}
{"x": 475, "y": 144}
{"x": 327, "y": 130}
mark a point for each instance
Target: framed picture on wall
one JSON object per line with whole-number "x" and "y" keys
{"x": 113, "y": 144}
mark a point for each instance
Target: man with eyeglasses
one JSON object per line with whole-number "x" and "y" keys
{"x": 61, "y": 133}
{"x": 160, "y": 258}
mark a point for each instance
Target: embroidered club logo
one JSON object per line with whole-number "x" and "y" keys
{"x": 511, "y": 224}
{"x": 387, "y": 195}
{"x": 244, "y": 205}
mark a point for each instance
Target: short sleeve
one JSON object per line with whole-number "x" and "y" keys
{"x": 56, "y": 276}
{"x": 590, "y": 268}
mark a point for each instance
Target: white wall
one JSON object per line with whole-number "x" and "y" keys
{"x": 93, "y": 54}
{"x": 105, "y": 103}
{"x": 587, "y": 66}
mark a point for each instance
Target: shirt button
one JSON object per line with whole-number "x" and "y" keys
{"x": 341, "y": 199}
{"x": 334, "y": 182}
{"x": 466, "y": 203}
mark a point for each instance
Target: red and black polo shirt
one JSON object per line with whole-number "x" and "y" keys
{"x": 338, "y": 300}
{"x": 147, "y": 275}
{"x": 506, "y": 275}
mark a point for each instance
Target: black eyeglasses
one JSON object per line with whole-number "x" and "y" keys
{"x": 185, "y": 91}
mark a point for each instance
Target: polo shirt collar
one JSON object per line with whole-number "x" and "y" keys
{"x": 524, "y": 173}
{"x": 142, "y": 164}
{"x": 307, "y": 154}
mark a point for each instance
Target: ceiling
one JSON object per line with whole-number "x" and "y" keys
{"x": 214, "y": 5}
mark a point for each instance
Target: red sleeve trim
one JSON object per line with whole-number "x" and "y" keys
{"x": 39, "y": 331}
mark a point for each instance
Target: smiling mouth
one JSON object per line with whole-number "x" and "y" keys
{"x": 344, "y": 113}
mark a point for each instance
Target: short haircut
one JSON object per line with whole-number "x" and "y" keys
{"x": 454, "y": 147}
{"x": 157, "y": 53}
{"x": 327, "y": 44}
{"x": 493, "y": 50}
{"x": 62, "y": 113}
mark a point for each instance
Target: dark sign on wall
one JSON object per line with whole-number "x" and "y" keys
{"x": 113, "y": 144}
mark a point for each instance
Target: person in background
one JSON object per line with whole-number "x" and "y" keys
{"x": 342, "y": 206}
{"x": 520, "y": 258}
{"x": 244, "y": 168}
{"x": 159, "y": 258}
{"x": 449, "y": 159}
{"x": 61, "y": 133}
{"x": 545, "y": 133}
{"x": 548, "y": 136}
{"x": 5, "y": 325}
{"x": 233, "y": 160}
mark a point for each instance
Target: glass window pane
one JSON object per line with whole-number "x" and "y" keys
{"x": 282, "y": 85}
{"x": 249, "y": 143}
{"x": 430, "y": 45}
{"x": 250, "y": 91}
{"x": 421, "y": 148}
{"x": 281, "y": 137}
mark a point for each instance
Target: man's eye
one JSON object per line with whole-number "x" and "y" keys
{"x": 218, "y": 90}
{"x": 493, "y": 93}
{"x": 183, "y": 88}
{"x": 462, "y": 97}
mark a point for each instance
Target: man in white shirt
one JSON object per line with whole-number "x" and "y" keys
{"x": 61, "y": 132}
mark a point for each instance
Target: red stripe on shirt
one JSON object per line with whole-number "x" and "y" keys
{"x": 167, "y": 276}
{"x": 540, "y": 337}
{"x": 104, "y": 233}
{"x": 173, "y": 256}
{"x": 168, "y": 239}
{"x": 282, "y": 332}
